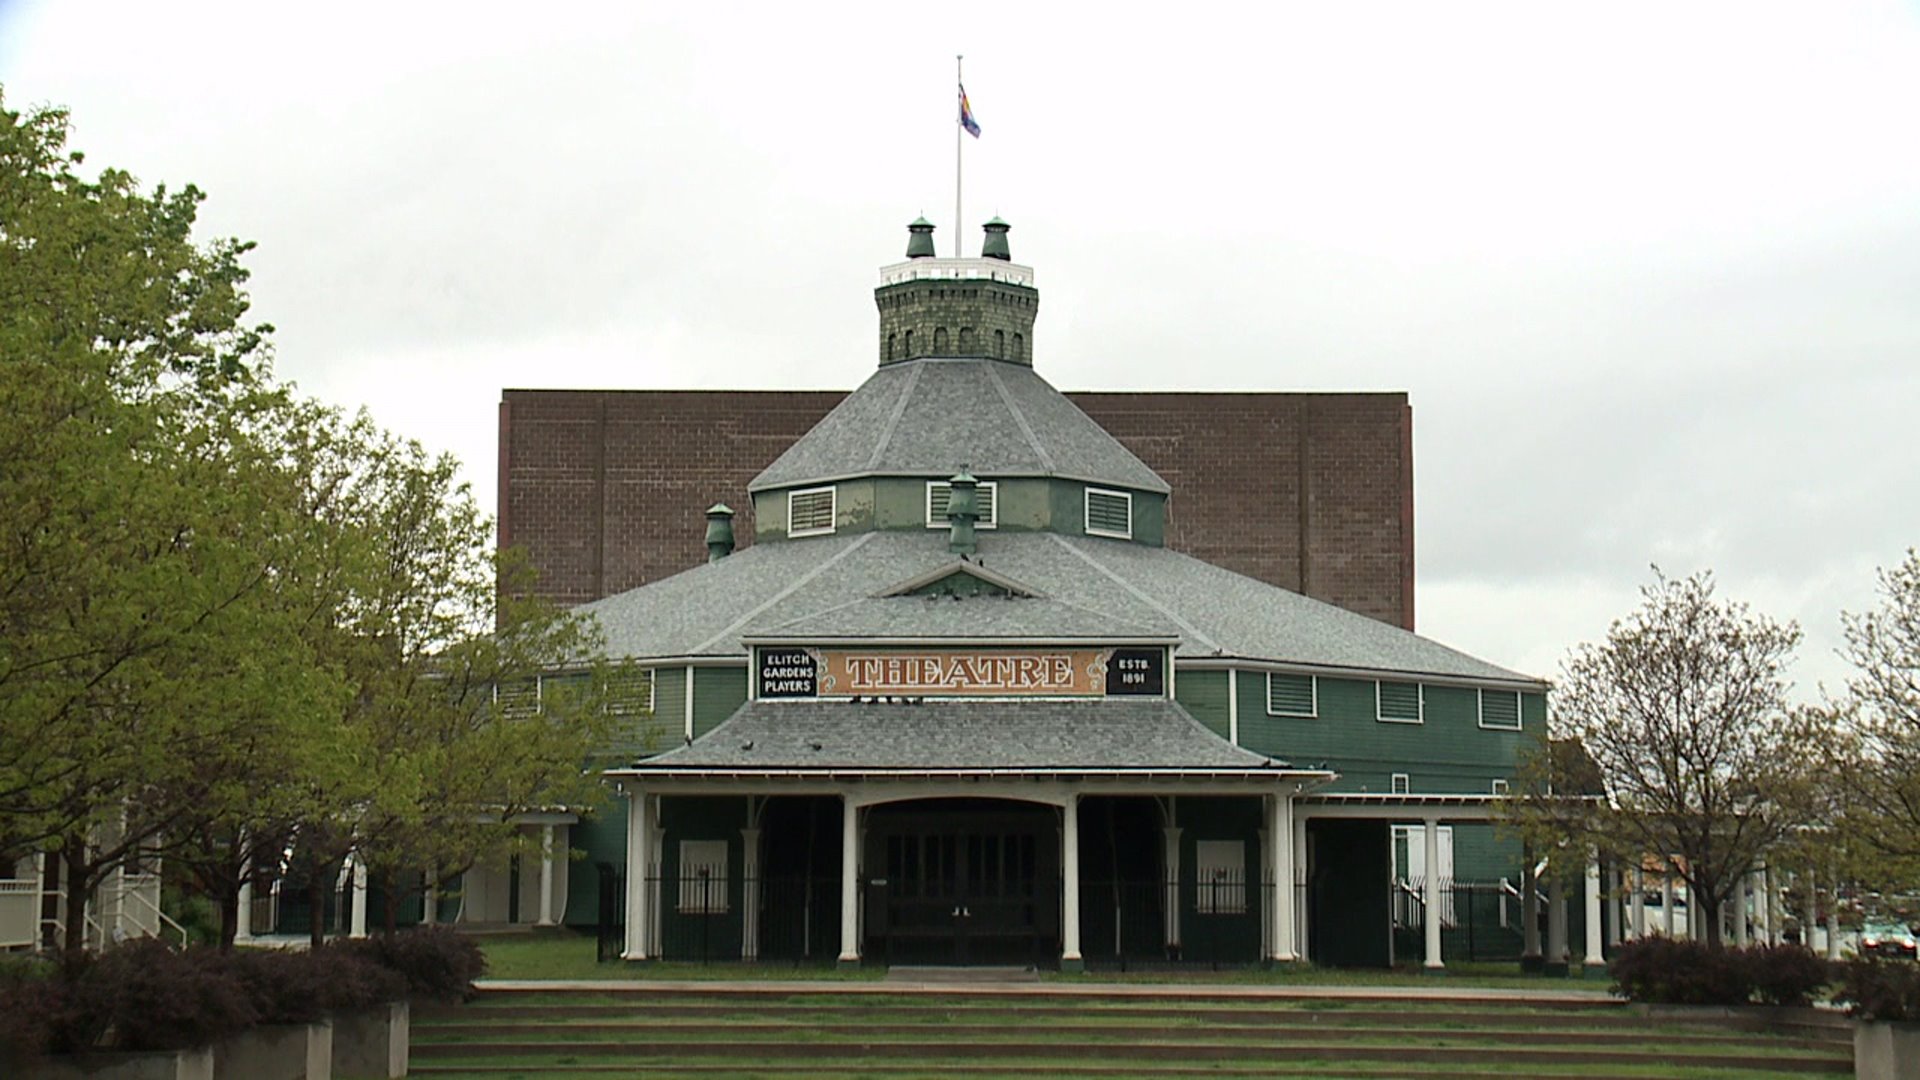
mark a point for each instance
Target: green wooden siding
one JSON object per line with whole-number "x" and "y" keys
{"x": 1204, "y": 694}
{"x": 669, "y": 708}
{"x": 599, "y": 837}
{"x": 1448, "y": 753}
{"x": 717, "y": 692}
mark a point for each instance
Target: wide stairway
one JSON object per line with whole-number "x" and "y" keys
{"x": 882, "y": 1029}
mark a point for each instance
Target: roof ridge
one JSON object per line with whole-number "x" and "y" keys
{"x": 1194, "y": 632}
{"x": 1013, "y": 407}
{"x": 792, "y": 587}
{"x": 900, "y": 400}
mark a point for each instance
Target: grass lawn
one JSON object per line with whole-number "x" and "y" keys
{"x": 567, "y": 955}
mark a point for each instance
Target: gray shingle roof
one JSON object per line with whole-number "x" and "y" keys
{"x": 930, "y": 417}
{"x": 973, "y": 618}
{"x": 1060, "y": 736}
{"x": 1215, "y": 612}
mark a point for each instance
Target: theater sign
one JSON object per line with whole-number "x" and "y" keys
{"x": 1026, "y": 672}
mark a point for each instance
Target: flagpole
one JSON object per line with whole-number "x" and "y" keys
{"x": 959, "y": 80}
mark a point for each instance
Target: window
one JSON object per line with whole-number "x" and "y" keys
{"x": 1109, "y": 513}
{"x": 1000, "y": 344}
{"x": 630, "y": 691}
{"x": 966, "y": 341}
{"x": 939, "y": 341}
{"x": 1292, "y": 695}
{"x": 1400, "y": 784}
{"x": 1500, "y": 787}
{"x": 518, "y": 697}
{"x": 1500, "y": 710}
{"x": 1398, "y": 702}
{"x": 984, "y": 499}
{"x": 703, "y": 877}
{"x": 810, "y": 512}
{"x": 1220, "y": 877}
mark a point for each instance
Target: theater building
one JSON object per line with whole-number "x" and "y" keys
{"x": 958, "y": 700}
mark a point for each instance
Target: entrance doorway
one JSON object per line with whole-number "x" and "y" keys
{"x": 963, "y": 881}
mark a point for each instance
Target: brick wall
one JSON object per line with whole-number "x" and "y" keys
{"x": 608, "y": 489}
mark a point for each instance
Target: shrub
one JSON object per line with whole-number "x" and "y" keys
{"x": 145, "y": 996}
{"x": 29, "y": 997}
{"x": 1880, "y": 989}
{"x": 355, "y": 981}
{"x": 438, "y": 964}
{"x": 1786, "y": 974}
{"x": 1670, "y": 972}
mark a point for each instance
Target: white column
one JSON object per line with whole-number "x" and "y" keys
{"x": 1592, "y": 952}
{"x": 1762, "y": 907}
{"x": 1280, "y": 836}
{"x": 1739, "y": 905}
{"x": 1299, "y": 894}
{"x": 1666, "y": 899}
{"x": 1556, "y": 919}
{"x": 1812, "y": 919}
{"x": 1833, "y": 923}
{"x": 357, "y": 927}
{"x": 1430, "y": 893}
{"x": 1170, "y": 855}
{"x": 639, "y": 868}
{"x": 546, "y": 875}
{"x": 1639, "y": 903}
{"x": 749, "y": 894}
{"x": 243, "y": 917}
{"x": 849, "y": 881}
{"x": 1070, "y": 884}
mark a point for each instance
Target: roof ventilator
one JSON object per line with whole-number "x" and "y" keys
{"x": 963, "y": 509}
{"x": 719, "y": 532}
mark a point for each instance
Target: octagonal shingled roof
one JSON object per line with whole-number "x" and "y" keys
{"x": 931, "y": 416}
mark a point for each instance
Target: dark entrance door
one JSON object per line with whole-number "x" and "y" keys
{"x": 960, "y": 886}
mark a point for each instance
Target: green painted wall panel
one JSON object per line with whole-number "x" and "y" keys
{"x": 669, "y": 728}
{"x": 717, "y": 692}
{"x": 599, "y": 837}
{"x": 1204, "y": 694}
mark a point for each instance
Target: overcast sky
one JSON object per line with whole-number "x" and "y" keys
{"x": 1650, "y": 273}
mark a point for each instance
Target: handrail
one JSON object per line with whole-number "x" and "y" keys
{"x": 159, "y": 916}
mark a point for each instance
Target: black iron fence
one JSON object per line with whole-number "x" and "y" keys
{"x": 1479, "y": 920}
{"x": 709, "y": 917}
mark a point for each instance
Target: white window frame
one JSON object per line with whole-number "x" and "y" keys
{"x": 1086, "y": 513}
{"x": 1420, "y": 695}
{"x": 1501, "y": 787}
{"x": 1400, "y": 784}
{"x": 1313, "y": 682}
{"x": 1213, "y": 859}
{"x": 833, "y": 511}
{"x": 1519, "y": 721}
{"x": 981, "y": 523}
{"x": 539, "y": 705}
{"x": 616, "y": 708}
{"x": 696, "y": 899}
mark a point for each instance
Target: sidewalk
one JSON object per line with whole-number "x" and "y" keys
{"x": 1030, "y": 988}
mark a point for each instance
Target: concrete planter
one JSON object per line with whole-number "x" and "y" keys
{"x": 371, "y": 1042}
{"x": 277, "y": 1052}
{"x": 153, "y": 1065}
{"x": 1886, "y": 1050}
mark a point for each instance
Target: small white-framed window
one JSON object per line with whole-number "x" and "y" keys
{"x": 810, "y": 512}
{"x": 1109, "y": 513}
{"x": 1501, "y": 787}
{"x": 985, "y": 498}
{"x": 1500, "y": 710}
{"x": 630, "y": 691}
{"x": 1220, "y": 877}
{"x": 518, "y": 697}
{"x": 1399, "y": 702}
{"x": 1401, "y": 784}
{"x": 703, "y": 877}
{"x": 1292, "y": 695}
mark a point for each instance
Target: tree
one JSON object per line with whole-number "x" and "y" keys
{"x": 136, "y": 536}
{"x": 1875, "y": 743}
{"x": 1682, "y": 716}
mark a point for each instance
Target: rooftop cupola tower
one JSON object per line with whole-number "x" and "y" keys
{"x": 975, "y": 308}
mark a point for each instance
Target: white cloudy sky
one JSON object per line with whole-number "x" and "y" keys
{"x": 1650, "y": 272}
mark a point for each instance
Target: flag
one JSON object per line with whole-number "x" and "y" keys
{"x": 966, "y": 114}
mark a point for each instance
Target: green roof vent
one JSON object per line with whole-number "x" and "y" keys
{"x": 995, "y": 246}
{"x": 920, "y": 242}
{"x": 963, "y": 509}
{"x": 719, "y": 532}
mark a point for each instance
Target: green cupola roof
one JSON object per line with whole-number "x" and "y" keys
{"x": 920, "y": 239}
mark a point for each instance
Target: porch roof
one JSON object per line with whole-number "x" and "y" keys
{"x": 1102, "y": 736}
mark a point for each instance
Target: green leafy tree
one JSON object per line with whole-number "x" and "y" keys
{"x": 1689, "y": 753}
{"x": 1874, "y": 732}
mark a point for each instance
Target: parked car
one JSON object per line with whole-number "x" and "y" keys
{"x": 1888, "y": 939}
